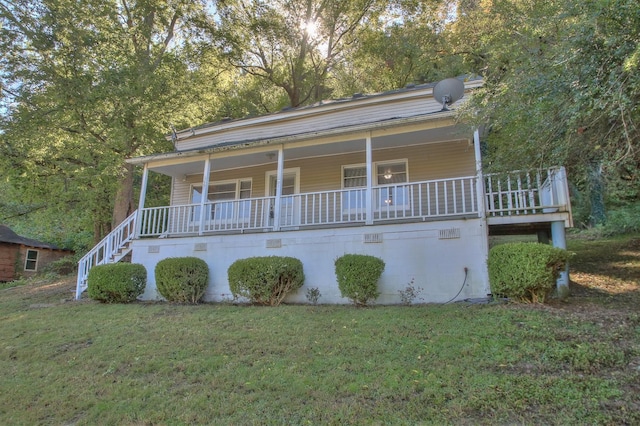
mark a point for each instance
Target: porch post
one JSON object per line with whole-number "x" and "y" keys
{"x": 278, "y": 200}
{"x": 479, "y": 176}
{"x": 143, "y": 196}
{"x": 369, "y": 192}
{"x": 205, "y": 194}
{"x": 559, "y": 240}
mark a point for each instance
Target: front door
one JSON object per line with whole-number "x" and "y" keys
{"x": 289, "y": 204}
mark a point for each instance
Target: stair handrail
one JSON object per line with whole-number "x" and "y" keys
{"x": 105, "y": 250}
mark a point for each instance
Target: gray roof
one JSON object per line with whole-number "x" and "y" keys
{"x": 8, "y": 236}
{"x": 355, "y": 98}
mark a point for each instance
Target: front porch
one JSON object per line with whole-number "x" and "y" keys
{"x": 516, "y": 198}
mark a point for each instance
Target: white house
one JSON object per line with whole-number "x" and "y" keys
{"x": 390, "y": 175}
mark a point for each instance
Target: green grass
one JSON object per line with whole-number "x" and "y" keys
{"x": 66, "y": 362}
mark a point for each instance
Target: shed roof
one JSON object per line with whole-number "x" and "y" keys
{"x": 8, "y": 236}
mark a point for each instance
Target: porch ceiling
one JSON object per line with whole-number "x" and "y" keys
{"x": 256, "y": 156}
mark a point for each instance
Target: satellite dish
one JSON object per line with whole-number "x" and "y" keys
{"x": 448, "y": 91}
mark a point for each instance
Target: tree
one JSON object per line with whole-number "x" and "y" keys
{"x": 562, "y": 85}
{"x": 407, "y": 46}
{"x": 290, "y": 44}
{"x": 87, "y": 84}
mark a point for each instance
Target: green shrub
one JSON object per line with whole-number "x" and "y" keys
{"x": 525, "y": 271}
{"x": 63, "y": 266}
{"x": 182, "y": 279}
{"x": 265, "y": 280}
{"x": 358, "y": 276}
{"x": 623, "y": 220}
{"x": 116, "y": 282}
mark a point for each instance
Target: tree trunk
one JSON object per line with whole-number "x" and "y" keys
{"x": 123, "y": 205}
{"x": 596, "y": 194}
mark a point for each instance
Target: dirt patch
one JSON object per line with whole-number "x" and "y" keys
{"x": 605, "y": 278}
{"x": 41, "y": 293}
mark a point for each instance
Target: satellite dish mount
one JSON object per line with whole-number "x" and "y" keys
{"x": 448, "y": 91}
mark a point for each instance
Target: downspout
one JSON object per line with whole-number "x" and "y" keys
{"x": 279, "y": 179}
{"x": 143, "y": 196}
{"x": 205, "y": 193}
{"x": 369, "y": 192}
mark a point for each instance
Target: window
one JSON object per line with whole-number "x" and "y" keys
{"x": 225, "y": 196}
{"x": 31, "y": 262}
{"x": 389, "y": 176}
{"x": 354, "y": 178}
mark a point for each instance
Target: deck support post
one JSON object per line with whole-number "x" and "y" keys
{"x": 559, "y": 240}
{"x": 205, "y": 194}
{"x": 369, "y": 192}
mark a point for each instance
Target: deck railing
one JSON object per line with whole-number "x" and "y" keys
{"x": 418, "y": 200}
{"x": 527, "y": 192}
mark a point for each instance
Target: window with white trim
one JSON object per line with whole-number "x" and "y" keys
{"x": 389, "y": 176}
{"x": 225, "y": 197}
{"x": 31, "y": 260}
{"x": 354, "y": 180}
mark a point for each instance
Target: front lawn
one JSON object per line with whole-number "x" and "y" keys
{"x": 67, "y": 362}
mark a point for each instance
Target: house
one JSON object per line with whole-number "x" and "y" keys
{"x": 390, "y": 175}
{"x": 24, "y": 257}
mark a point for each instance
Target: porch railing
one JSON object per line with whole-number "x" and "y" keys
{"x": 527, "y": 192}
{"x": 418, "y": 200}
{"x": 111, "y": 249}
{"x": 233, "y": 215}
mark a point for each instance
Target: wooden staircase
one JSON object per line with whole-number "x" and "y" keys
{"x": 113, "y": 248}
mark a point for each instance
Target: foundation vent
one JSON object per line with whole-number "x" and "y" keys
{"x": 449, "y": 234}
{"x": 372, "y": 238}
{"x": 274, "y": 243}
{"x": 200, "y": 247}
{"x": 154, "y": 249}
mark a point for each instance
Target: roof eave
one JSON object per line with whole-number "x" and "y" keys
{"x": 239, "y": 145}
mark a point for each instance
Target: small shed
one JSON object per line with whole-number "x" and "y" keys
{"x": 23, "y": 257}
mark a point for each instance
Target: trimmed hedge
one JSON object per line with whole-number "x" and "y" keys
{"x": 525, "y": 272}
{"x": 265, "y": 280}
{"x": 116, "y": 282}
{"x": 358, "y": 276}
{"x": 182, "y": 279}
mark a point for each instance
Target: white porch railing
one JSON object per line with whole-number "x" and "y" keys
{"x": 419, "y": 200}
{"x": 527, "y": 192}
{"x": 111, "y": 249}
{"x": 233, "y": 215}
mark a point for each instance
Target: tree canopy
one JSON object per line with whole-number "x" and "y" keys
{"x": 562, "y": 87}
{"x": 86, "y": 84}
